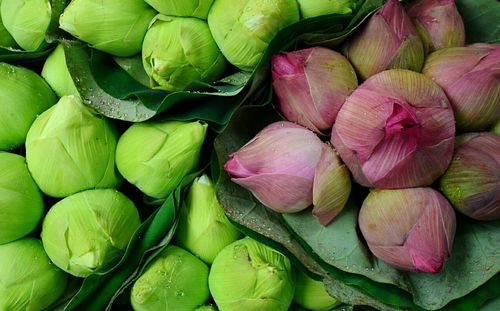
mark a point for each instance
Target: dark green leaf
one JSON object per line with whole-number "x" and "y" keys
{"x": 481, "y": 20}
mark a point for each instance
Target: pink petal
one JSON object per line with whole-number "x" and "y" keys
{"x": 279, "y": 192}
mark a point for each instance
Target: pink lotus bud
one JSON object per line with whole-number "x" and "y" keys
{"x": 438, "y": 22}
{"x": 278, "y": 166}
{"x": 332, "y": 186}
{"x": 312, "y": 85}
{"x": 389, "y": 40}
{"x": 396, "y": 130}
{"x": 410, "y": 229}
{"x": 470, "y": 78}
{"x": 472, "y": 182}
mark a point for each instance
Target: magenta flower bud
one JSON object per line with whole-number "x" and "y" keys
{"x": 396, "y": 130}
{"x": 438, "y": 22}
{"x": 388, "y": 41}
{"x": 411, "y": 229}
{"x": 472, "y": 181}
{"x": 312, "y": 85}
{"x": 278, "y": 166}
{"x": 470, "y": 78}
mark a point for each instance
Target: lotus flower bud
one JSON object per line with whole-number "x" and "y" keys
{"x": 396, "y": 130}
{"x": 29, "y": 280}
{"x": 88, "y": 232}
{"x": 312, "y": 8}
{"x": 179, "y": 53}
{"x": 55, "y": 72}
{"x": 175, "y": 280}
{"x": 21, "y": 203}
{"x": 472, "y": 181}
{"x": 187, "y": 8}
{"x": 204, "y": 229}
{"x": 6, "y": 40}
{"x": 247, "y": 275}
{"x": 278, "y": 166}
{"x": 113, "y": 26}
{"x": 23, "y": 95}
{"x": 27, "y": 21}
{"x": 243, "y": 29}
{"x": 70, "y": 148}
{"x": 438, "y": 22}
{"x": 312, "y": 85}
{"x": 158, "y": 164}
{"x": 410, "y": 229}
{"x": 469, "y": 77}
{"x": 331, "y": 187}
{"x": 312, "y": 295}
{"x": 388, "y": 41}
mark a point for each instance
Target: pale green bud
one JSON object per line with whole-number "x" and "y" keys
{"x": 113, "y": 26}
{"x": 55, "y": 72}
{"x": 244, "y": 29}
{"x": 188, "y": 8}
{"x": 29, "y": 281}
{"x": 23, "y": 95}
{"x": 175, "y": 281}
{"x": 70, "y": 148}
{"x": 6, "y": 39}
{"x": 312, "y": 295}
{"x": 179, "y": 53}
{"x": 247, "y": 275}
{"x": 27, "y": 21}
{"x": 204, "y": 229}
{"x": 311, "y": 8}
{"x": 155, "y": 156}
{"x": 21, "y": 203}
{"x": 88, "y": 232}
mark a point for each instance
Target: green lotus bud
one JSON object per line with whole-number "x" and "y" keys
{"x": 243, "y": 29}
{"x": 55, "y": 72}
{"x": 312, "y": 295}
{"x": 204, "y": 229}
{"x": 6, "y": 40}
{"x": 189, "y": 8}
{"x": 88, "y": 232}
{"x": 472, "y": 181}
{"x": 158, "y": 164}
{"x": 176, "y": 280}
{"x": 23, "y": 95}
{"x": 21, "y": 203}
{"x": 29, "y": 281}
{"x": 113, "y": 26}
{"x": 247, "y": 275}
{"x": 179, "y": 53}
{"x": 70, "y": 148}
{"x": 311, "y": 8}
{"x": 27, "y": 21}
{"x": 496, "y": 128}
